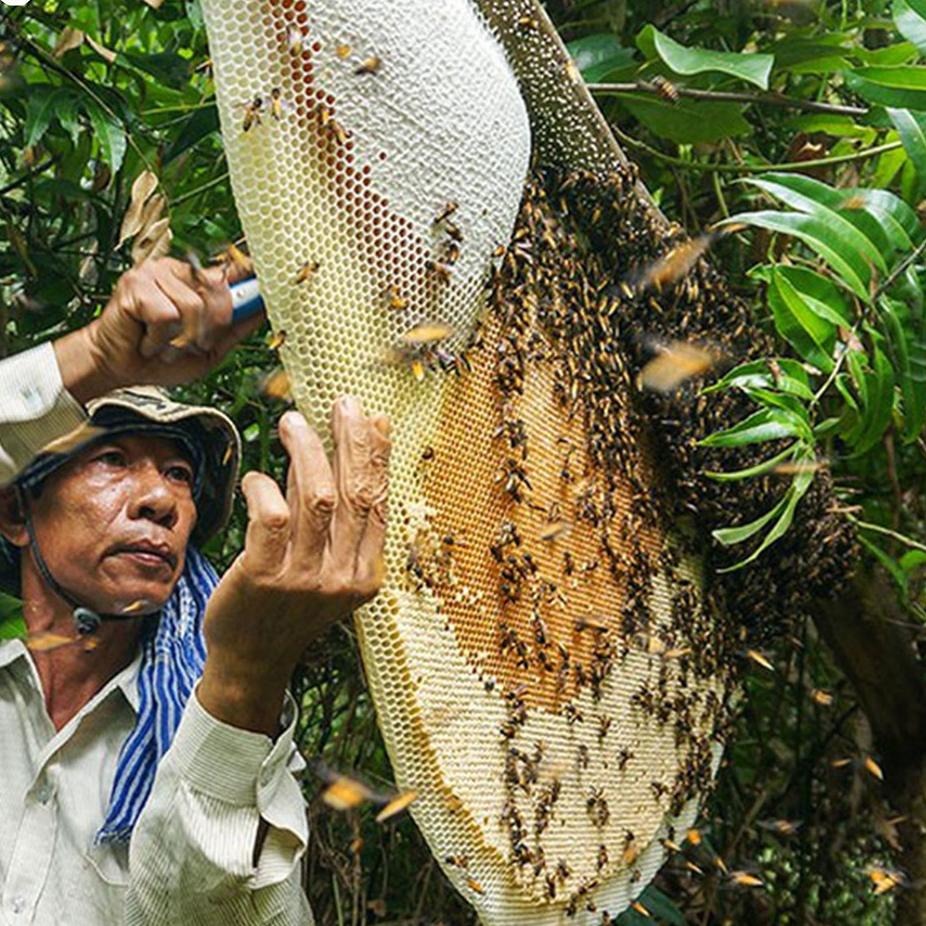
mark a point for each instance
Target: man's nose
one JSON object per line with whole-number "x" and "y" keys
{"x": 153, "y": 498}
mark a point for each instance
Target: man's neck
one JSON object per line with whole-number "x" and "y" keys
{"x": 72, "y": 673}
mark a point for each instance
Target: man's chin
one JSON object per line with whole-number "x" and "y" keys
{"x": 137, "y": 600}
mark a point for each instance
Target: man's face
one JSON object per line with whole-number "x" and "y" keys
{"x": 114, "y": 522}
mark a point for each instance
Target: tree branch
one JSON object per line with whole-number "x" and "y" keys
{"x": 717, "y": 96}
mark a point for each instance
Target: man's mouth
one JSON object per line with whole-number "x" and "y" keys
{"x": 152, "y": 553}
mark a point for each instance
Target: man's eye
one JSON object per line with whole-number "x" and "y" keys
{"x": 115, "y": 457}
{"x": 182, "y": 473}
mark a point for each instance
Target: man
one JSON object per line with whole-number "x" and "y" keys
{"x": 148, "y": 776}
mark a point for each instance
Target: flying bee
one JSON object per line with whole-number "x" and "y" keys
{"x": 369, "y": 65}
{"x": 252, "y": 111}
{"x": 445, "y": 213}
{"x": 666, "y": 89}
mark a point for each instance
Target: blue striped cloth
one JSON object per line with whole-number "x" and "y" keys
{"x": 173, "y": 656}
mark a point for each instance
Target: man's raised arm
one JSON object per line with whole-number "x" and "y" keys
{"x": 42, "y": 390}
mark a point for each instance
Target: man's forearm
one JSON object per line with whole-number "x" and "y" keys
{"x": 252, "y": 702}
{"x": 80, "y": 372}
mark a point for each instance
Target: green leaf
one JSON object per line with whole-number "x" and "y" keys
{"x": 815, "y": 198}
{"x": 903, "y": 331}
{"x": 901, "y": 87}
{"x": 768, "y": 424}
{"x": 751, "y": 67}
{"x": 888, "y": 562}
{"x": 821, "y": 237}
{"x": 812, "y": 336}
{"x": 12, "y": 624}
{"x": 111, "y": 135}
{"x": 790, "y": 377}
{"x": 874, "y": 385}
{"x": 784, "y": 511}
{"x": 730, "y": 536}
{"x": 912, "y": 130}
{"x": 40, "y": 110}
{"x": 200, "y": 124}
{"x": 688, "y": 121}
{"x": 899, "y": 221}
{"x": 661, "y": 906}
{"x": 600, "y": 54}
{"x": 169, "y": 69}
{"x": 760, "y": 469}
{"x": 910, "y": 19}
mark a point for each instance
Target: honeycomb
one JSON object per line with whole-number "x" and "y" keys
{"x": 539, "y": 656}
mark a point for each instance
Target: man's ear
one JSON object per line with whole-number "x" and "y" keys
{"x": 12, "y": 518}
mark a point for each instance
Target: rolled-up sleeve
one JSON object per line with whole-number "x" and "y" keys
{"x": 35, "y": 408}
{"x": 191, "y": 854}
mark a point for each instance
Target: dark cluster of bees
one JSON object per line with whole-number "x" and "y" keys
{"x": 557, "y": 295}
{"x": 817, "y": 554}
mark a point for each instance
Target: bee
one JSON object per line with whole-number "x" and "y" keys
{"x": 439, "y": 271}
{"x": 445, "y": 213}
{"x": 369, "y": 65}
{"x": 672, "y": 266}
{"x": 453, "y": 231}
{"x": 276, "y": 103}
{"x": 666, "y": 89}
{"x": 296, "y": 40}
{"x": 276, "y": 340}
{"x": 337, "y": 131}
{"x": 308, "y": 270}
{"x": 252, "y": 111}
{"x": 396, "y": 301}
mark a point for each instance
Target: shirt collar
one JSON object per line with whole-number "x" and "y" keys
{"x": 126, "y": 679}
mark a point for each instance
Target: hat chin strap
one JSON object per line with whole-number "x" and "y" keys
{"x": 86, "y": 620}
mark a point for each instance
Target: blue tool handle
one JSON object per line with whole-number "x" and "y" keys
{"x": 246, "y": 299}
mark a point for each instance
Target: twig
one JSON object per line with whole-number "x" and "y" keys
{"x": 215, "y": 181}
{"x": 786, "y": 166}
{"x": 732, "y": 96}
{"x": 896, "y": 535}
{"x": 26, "y": 176}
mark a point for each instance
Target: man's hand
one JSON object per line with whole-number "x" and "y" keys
{"x": 158, "y": 302}
{"x": 309, "y": 560}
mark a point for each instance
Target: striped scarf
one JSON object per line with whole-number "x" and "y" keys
{"x": 173, "y": 656}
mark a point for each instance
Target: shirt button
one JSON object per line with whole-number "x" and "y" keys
{"x": 43, "y": 794}
{"x": 18, "y": 905}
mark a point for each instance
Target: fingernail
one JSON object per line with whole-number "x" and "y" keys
{"x": 383, "y": 425}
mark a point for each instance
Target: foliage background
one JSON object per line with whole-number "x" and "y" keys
{"x": 128, "y": 88}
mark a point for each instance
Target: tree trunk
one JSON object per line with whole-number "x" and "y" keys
{"x": 869, "y": 634}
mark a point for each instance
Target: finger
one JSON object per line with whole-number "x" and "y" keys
{"x": 202, "y": 320}
{"x": 161, "y": 319}
{"x": 370, "y": 564}
{"x": 268, "y": 533}
{"x": 213, "y": 286}
{"x": 351, "y": 433}
{"x": 311, "y": 490}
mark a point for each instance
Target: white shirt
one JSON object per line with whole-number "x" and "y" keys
{"x": 189, "y": 862}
